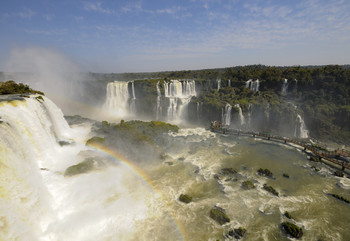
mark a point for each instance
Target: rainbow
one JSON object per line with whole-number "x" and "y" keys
{"x": 139, "y": 173}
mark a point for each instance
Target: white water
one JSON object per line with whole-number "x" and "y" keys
{"x": 240, "y": 114}
{"x": 39, "y": 203}
{"x": 226, "y": 115}
{"x": 229, "y": 83}
{"x": 159, "y": 106}
{"x": 112, "y": 204}
{"x": 284, "y": 88}
{"x": 179, "y": 94}
{"x": 117, "y": 101}
{"x": 219, "y": 84}
{"x": 300, "y": 128}
{"x": 253, "y": 85}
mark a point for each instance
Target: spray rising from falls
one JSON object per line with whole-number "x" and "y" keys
{"x": 39, "y": 202}
{"x": 179, "y": 94}
{"x": 119, "y": 102}
{"x": 252, "y": 85}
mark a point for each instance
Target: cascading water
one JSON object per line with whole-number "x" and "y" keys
{"x": 199, "y": 111}
{"x": 240, "y": 114}
{"x": 133, "y": 99}
{"x": 179, "y": 94}
{"x": 252, "y": 85}
{"x": 119, "y": 102}
{"x": 159, "y": 106}
{"x": 226, "y": 115}
{"x": 38, "y": 202}
{"x": 229, "y": 83}
{"x": 219, "y": 84}
{"x": 284, "y": 88}
{"x": 300, "y": 128}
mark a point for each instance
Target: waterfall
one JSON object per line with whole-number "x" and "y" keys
{"x": 229, "y": 83}
{"x": 133, "y": 98}
{"x": 296, "y": 85}
{"x": 199, "y": 110}
{"x": 240, "y": 114}
{"x": 300, "y": 128}
{"x": 179, "y": 94}
{"x": 159, "y": 107}
{"x": 219, "y": 84}
{"x": 284, "y": 87}
{"x": 118, "y": 97}
{"x": 252, "y": 85}
{"x": 250, "y": 109}
{"x": 226, "y": 115}
{"x": 31, "y": 129}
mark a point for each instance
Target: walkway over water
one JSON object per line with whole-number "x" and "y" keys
{"x": 337, "y": 157}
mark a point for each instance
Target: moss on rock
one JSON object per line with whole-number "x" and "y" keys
{"x": 82, "y": 167}
{"x": 271, "y": 190}
{"x": 218, "y": 214}
{"x": 265, "y": 172}
{"x": 292, "y": 229}
{"x": 247, "y": 185}
{"x": 185, "y": 198}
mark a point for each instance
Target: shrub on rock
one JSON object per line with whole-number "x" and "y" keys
{"x": 219, "y": 215}
{"x": 292, "y": 229}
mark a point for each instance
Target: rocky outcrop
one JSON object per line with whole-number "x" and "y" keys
{"x": 185, "y": 198}
{"x": 292, "y": 229}
{"x": 219, "y": 215}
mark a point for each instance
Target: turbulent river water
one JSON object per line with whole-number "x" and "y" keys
{"x": 126, "y": 200}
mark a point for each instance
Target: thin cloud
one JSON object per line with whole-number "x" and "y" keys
{"x": 26, "y": 14}
{"x": 96, "y": 7}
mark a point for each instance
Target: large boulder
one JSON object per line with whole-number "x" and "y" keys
{"x": 219, "y": 215}
{"x": 185, "y": 198}
{"x": 292, "y": 229}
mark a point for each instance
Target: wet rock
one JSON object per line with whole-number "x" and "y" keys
{"x": 287, "y": 215}
{"x": 316, "y": 169}
{"x": 185, "y": 198}
{"x": 286, "y": 175}
{"x": 64, "y": 143}
{"x": 82, "y": 167}
{"x": 340, "y": 198}
{"x": 228, "y": 171}
{"x": 265, "y": 172}
{"x": 271, "y": 190}
{"x": 338, "y": 173}
{"x": 237, "y": 233}
{"x": 314, "y": 159}
{"x": 292, "y": 229}
{"x": 218, "y": 214}
{"x": 247, "y": 185}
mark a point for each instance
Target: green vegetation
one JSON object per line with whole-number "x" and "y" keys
{"x": 95, "y": 140}
{"x": 292, "y": 229}
{"x": 11, "y": 87}
{"x": 271, "y": 190}
{"x": 185, "y": 198}
{"x": 228, "y": 171}
{"x": 265, "y": 173}
{"x": 219, "y": 215}
{"x": 80, "y": 168}
{"x": 287, "y": 214}
{"x": 286, "y": 175}
{"x": 247, "y": 185}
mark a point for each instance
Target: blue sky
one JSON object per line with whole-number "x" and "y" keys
{"x": 155, "y": 35}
